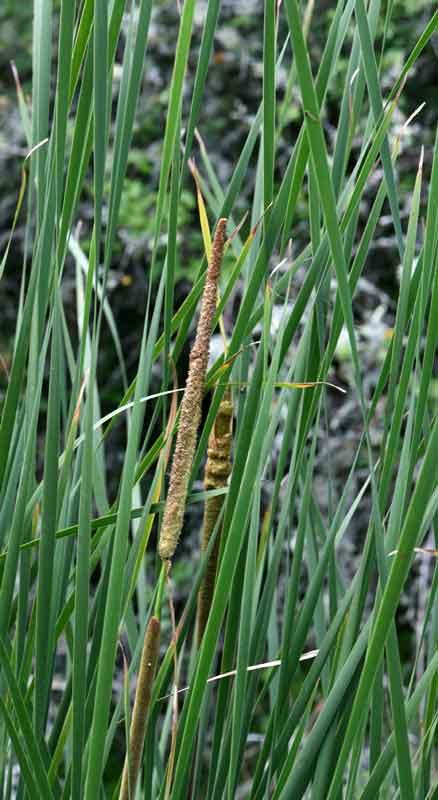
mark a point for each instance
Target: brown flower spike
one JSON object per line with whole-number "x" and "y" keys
{"x": 191, "y": 405}
{"x": 148, "y": 664}
{"x": 217, "y": 471}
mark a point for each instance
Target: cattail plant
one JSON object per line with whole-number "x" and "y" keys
{"x": 217, "y": 471}
{"x": 191, "y": 405}
{"x": 309, "y": 219}
{"x": 149, "y": 658}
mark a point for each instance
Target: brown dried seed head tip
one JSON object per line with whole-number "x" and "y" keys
{"x": 154, "y": 625}
{"x": 218, "y": 248}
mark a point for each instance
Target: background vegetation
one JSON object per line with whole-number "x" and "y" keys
{"x": 129, "y": 130}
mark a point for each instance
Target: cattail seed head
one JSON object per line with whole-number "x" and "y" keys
{"x": 148, "y": 664}
{"x": 190, "y": 415}
{"x": 217, "y": 472}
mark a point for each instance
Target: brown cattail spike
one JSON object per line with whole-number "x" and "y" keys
{"x": 217, "y": 471}
{"x": 149, "y": 658}
{"x": 191, "y": 405}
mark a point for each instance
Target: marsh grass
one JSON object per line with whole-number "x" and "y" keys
{"x": 80, "y": 570}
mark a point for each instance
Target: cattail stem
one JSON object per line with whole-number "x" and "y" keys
{"x": 148, "y": 663}
{"x": 191, "y": 406}
{"x": 217, "y": 471}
